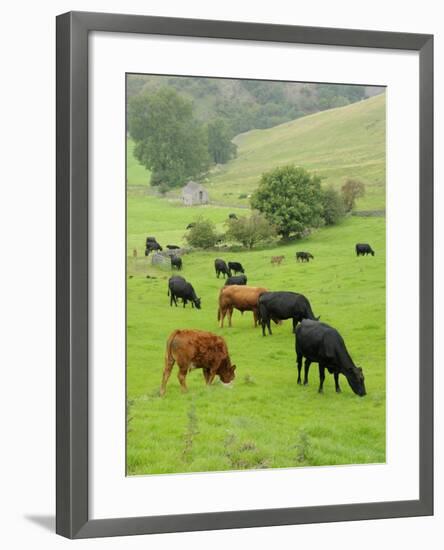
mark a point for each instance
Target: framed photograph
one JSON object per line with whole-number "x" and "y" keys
{"x": 244, "y": 275}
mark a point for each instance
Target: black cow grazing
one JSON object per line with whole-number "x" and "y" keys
{"x": 304, "y": 256}
{"x": 176, "y": 262}
{"x": 178, "y": 287}
{"x": 172, "y": 247}
{"x": 364, "y": 250}
{"x": 191, "y": 225}
{"x": 283, "y": 305}
{"x": 236, "y": 267}
{"x": 322, "y": 344}
{"x": 221, "y": 267}
{"x": 236, "y": 280}
{"x": 232, "y": 217}
{"x": 152, "y": 245}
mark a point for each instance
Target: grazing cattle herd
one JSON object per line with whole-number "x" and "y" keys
{"x": 315, "y": 341}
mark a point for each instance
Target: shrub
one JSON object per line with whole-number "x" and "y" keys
{"x": 202, "y": 234}
{"x": 333, "y": 206}
{"x": 250, "y": 230}
{"x": 352, "y": 190}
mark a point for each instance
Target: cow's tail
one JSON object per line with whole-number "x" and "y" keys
{"x": 309, "y": 312}
{"x": 168, "y": 352}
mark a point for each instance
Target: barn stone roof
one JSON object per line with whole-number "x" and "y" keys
{"x": 192, "y": 186}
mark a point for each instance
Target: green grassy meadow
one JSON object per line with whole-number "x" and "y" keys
{"x": 265, "y": 420}
{"x": 347, "y": 142}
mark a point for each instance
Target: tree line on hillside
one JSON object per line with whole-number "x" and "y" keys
{"x": 289, "y": 201}
{"x": 250, "y": 104}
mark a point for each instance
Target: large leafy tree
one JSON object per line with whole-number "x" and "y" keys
{"x": 290, "y": 198}
{"x": 220, "y": 146}
{"x": 168, "y": 140}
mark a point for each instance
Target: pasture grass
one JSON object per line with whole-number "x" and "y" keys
{"x": 264, "y": 420}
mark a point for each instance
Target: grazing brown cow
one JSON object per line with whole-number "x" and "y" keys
{"x": 196, "y": 349}
{"x": 243, "y": 298}
{"x": 276, "y": 260}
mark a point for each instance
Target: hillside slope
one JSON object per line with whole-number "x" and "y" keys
{"x": 347, "y": 142}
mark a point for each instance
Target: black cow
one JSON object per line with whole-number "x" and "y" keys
{"x": 176, "y": 262}
{"x": 232, "y": 217}
{"x": 303, "y": 256}
{"x": 172, "y": 247}
{"x": 236, "y": 267}
{"x": 364, "y": 250}
{"x": 151, "y": 240}
{"x": 236, "y": 280}
{"x": 191, "y": 225}
{"x": 221, "y": 267}
{"x": 283, "y": 305}
{"x": 178, "y": 287}
{"x": 152, "y": 245}
{"x": 322, "y": 344}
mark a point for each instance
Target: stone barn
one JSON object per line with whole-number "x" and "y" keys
{"x": 194, "y": 193}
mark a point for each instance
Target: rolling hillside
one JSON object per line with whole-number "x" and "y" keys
{"x": 347, "y": 142}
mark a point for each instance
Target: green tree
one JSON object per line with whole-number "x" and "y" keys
{"x": 250, "y": 230}
{"x": 220, "y": 147}
{"x": 168, "y": 140}
{"x": 203, "y": 234}
{"x": 333, "y": 208}
{"x": 352, "y": 190}
{"x": 290, "y": 198}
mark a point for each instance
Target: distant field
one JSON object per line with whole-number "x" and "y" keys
{"x": 137, "y": 175}
{"x": 266, "y": 419}
{"x": 347, "y": 142}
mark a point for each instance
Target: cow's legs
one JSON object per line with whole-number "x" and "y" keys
{"x": 299, "y": 365}
{"x": 181, "y": 375}
{"x": 338, "y": 389}
{"x": 306, "y": 369}
{"x": 169, "y": 363}
{"x": 222, "y": 317}
{"x": 255, "y": 318}
{"x": 269, "y": 326}
{"x": 229, "y": 315}
{"x": 206, "y": 373}
{"x": 321, "y": 378}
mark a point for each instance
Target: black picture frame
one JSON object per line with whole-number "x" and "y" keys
{"x": 72, "y": 517}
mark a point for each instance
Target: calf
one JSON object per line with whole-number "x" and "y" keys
{"x": 303, "y": 256}
{"x": 277, "y": 260}
{"x": 178, "y": 287}
{"x": 242, "y": 298}
{"x": 364, "y": 250}
{"x": 236, "y": 280}
{"x": 322, "y": 344}
{"x": 221, "y": 267}
{"x": 196, "y": 349}
{"x": 236, "y": 267}
{"x": 176, "y": 262}
{"x": 283, "y": 305}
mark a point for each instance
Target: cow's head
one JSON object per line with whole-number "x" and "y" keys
{"x": 226, "y": 371}
{"x": 197, "y": 303}
{"x": 355, "y": 378}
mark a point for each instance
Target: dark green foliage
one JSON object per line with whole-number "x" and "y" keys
{"x": 290, "y": 198}
{"x": 202, "y": 234}
{"x": 332, "y": 205}
{"x": 352, "y": 190}
{"x": 250, "y": 230}
{"x": 220, "y": 147}
{"x": 168, "y": 140}
{"x": 248, "y": 104}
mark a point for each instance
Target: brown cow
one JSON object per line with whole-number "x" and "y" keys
{"x": 196, "y": 349}
{"x": 277, "y": 260}
{"x": 243, "y": 298}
